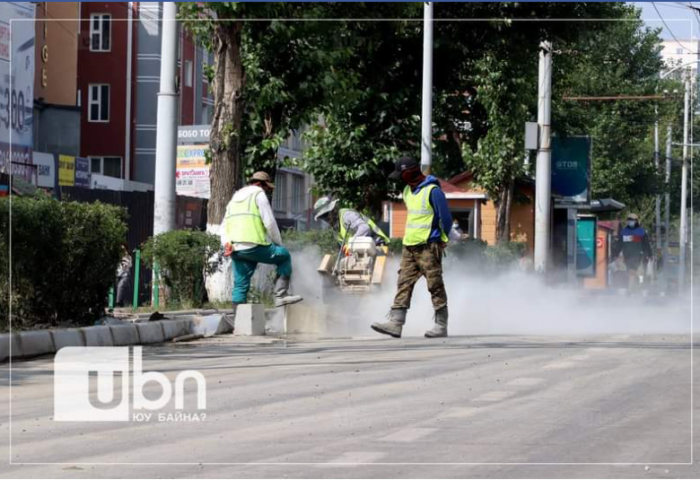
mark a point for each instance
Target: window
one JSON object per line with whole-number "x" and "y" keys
{"x": 100, "y": 32}
{"x": 108, "y": 166}
{"x": 298, "y": 195}
{"x": 98, "y": 103}
{"x": 188, "y": 73}
{"x": 279, "y": 198}
{"x": 679, "y": 51}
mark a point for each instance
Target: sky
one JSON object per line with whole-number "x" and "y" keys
{"x": 681, "y": 20}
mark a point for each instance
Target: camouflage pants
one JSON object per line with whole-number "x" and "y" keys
{"x": 418, "y": 261}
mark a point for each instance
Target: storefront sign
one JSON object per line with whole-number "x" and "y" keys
{"x": 571, "y": 170}
{"x": 66, "y": 171}
{"x": 192, "y": 171}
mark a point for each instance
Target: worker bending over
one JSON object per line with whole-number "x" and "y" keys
{"x": 349, "y": 221}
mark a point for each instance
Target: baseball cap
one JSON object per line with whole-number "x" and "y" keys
{"x": 263, "y": 177}
{"x": 403, "y": 164}
{"x": 632, "y": 216}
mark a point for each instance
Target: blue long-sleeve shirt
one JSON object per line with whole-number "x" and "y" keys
{"x": 442, "y": 220}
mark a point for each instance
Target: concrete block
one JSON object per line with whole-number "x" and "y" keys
{"x": 300, "y": 318}
{"x": 71, "y": 337}
{"x": 123, "y": 335}
{"x": 175, "y": 328}
{"x": 99, "y": 336}
{"x": 36, "y": 342}
{"x": 7, "y": 340}
{"x": 209, "y": 325}
{"x": 150, "y": 332}
{"x": 250, "y": 319}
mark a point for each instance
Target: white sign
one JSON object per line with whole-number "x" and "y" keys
{"x": 16, "y": 84}
{"x": 110, "y": 400}
{"x": 191, "y": 134}
{"x": 45, "y": 169}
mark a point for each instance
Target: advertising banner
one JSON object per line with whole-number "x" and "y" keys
{"x": 571, "y": 170}
{"x": 45, "y": 169}
{"x": 586, "y": 246}
{"x": 66, "y": 171}
{"x": 16, "y": 87}
{"x": 192, "y": 171}
{"x": 82, "y": 172}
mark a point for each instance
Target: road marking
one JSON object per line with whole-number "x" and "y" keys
{"x": 462, "y": 412}
{"x": 526, "y": 382}
{"x": 493, "y": 396}
{"x": 408, "y": 435}
{"x": 558, "y": 365}
{"x": 580, "y": 357}
{"x": 349, "y": 458}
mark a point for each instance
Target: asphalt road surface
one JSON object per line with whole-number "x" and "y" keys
{"x": 469, "y": 406}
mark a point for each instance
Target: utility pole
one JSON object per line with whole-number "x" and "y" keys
{"x": 656, "y": 166}
{"x": 166, "y": 136}
{"x": 427, "y": 106}
{"x": 684, "y": 186}
{"x": 543, "y": 179}
{"x": 667, "y": 201}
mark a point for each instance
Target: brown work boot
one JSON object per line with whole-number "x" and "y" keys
{"x": 282, "y": 296}
{"x": 393, "y": 328}
{"x": 440, "y": 327}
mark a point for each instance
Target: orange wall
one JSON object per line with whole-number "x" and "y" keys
{"x": 56, "y": 47}
{"x": 522, "y": 220}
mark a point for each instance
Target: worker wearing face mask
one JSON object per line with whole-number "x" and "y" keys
{"x": 633, "y": 243}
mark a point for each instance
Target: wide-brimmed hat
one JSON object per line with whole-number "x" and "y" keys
{"x": 323, "y": 206}
{"x": 263, "y": 177}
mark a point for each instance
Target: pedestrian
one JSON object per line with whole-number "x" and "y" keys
{"x": 252, "y": 236}
{"x": 633, "y": 243}
{"x": 123, "y": 275}
{"x": 349, "y": 221}
{"x": 428, "y": 225}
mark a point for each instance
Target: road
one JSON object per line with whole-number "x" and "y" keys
{"x": 467, "y": 406}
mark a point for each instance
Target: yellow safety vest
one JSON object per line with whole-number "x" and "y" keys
{"x": 343, "y": 230}
{"x": 243, "y": 223}
{"x": 419, "y": 221}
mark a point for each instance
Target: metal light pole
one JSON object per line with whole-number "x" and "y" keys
{"x": 427, "y": 106}
{"x": 166, "y": 136}
{"x": 543, "y": 195}
{"x": 656, "y": 165}
{"x": 684, "y": 185}
{"x": 667, "y": 206}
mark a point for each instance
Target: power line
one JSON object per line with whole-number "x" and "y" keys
{"x": 671, "y": 31}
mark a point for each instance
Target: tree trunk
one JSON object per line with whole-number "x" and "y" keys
{"x": 505, "y": 204}
{"x": 225, "y": 171}
{"x": 228, "y": 85}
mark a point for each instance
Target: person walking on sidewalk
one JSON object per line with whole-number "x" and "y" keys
{"x": 633, "y": 242}
{"x": 123, "y": 274}
{"x": 252, "y": 236}
{"x": 427, "y": 228}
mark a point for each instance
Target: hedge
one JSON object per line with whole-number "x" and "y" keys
{"x": 64, "y": 258}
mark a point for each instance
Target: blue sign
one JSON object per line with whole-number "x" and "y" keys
{"x": 82, "y": 172}
{"x": 586, "y": 246}
{"x": 571, "y": 167}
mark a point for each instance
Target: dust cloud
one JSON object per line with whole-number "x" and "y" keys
{"x": 512, "y": 302}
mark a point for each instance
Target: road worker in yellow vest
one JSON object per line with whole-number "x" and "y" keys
{"x": 428, "y": 226}
{"x": 350, "y": 222}
{"x": 251, "y": 236}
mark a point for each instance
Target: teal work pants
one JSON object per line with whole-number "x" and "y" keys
{"x": 245, "y": 261}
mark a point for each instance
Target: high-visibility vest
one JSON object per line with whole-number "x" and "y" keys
{"x": 419, "y": 221}
{"x": 343, "y": 229}
{"x": 243, "y": 223}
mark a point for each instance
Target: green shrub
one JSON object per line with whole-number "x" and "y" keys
{"x": 64, "y": 259}
{"x": 296, "y": 240}
{"x": 505, "y": 254}
{"x": 185, "y": 258}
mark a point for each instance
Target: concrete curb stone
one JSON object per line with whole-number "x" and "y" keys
{"x": 5, "y": 340}
{"x": 151, "y": 332}
{"x": 99, "y": 336}
{"x": 175, "y": 328}
{"x": 69, "y": 337}
{"x": 35, "y": 343}
{"x": 123, "y": 335}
